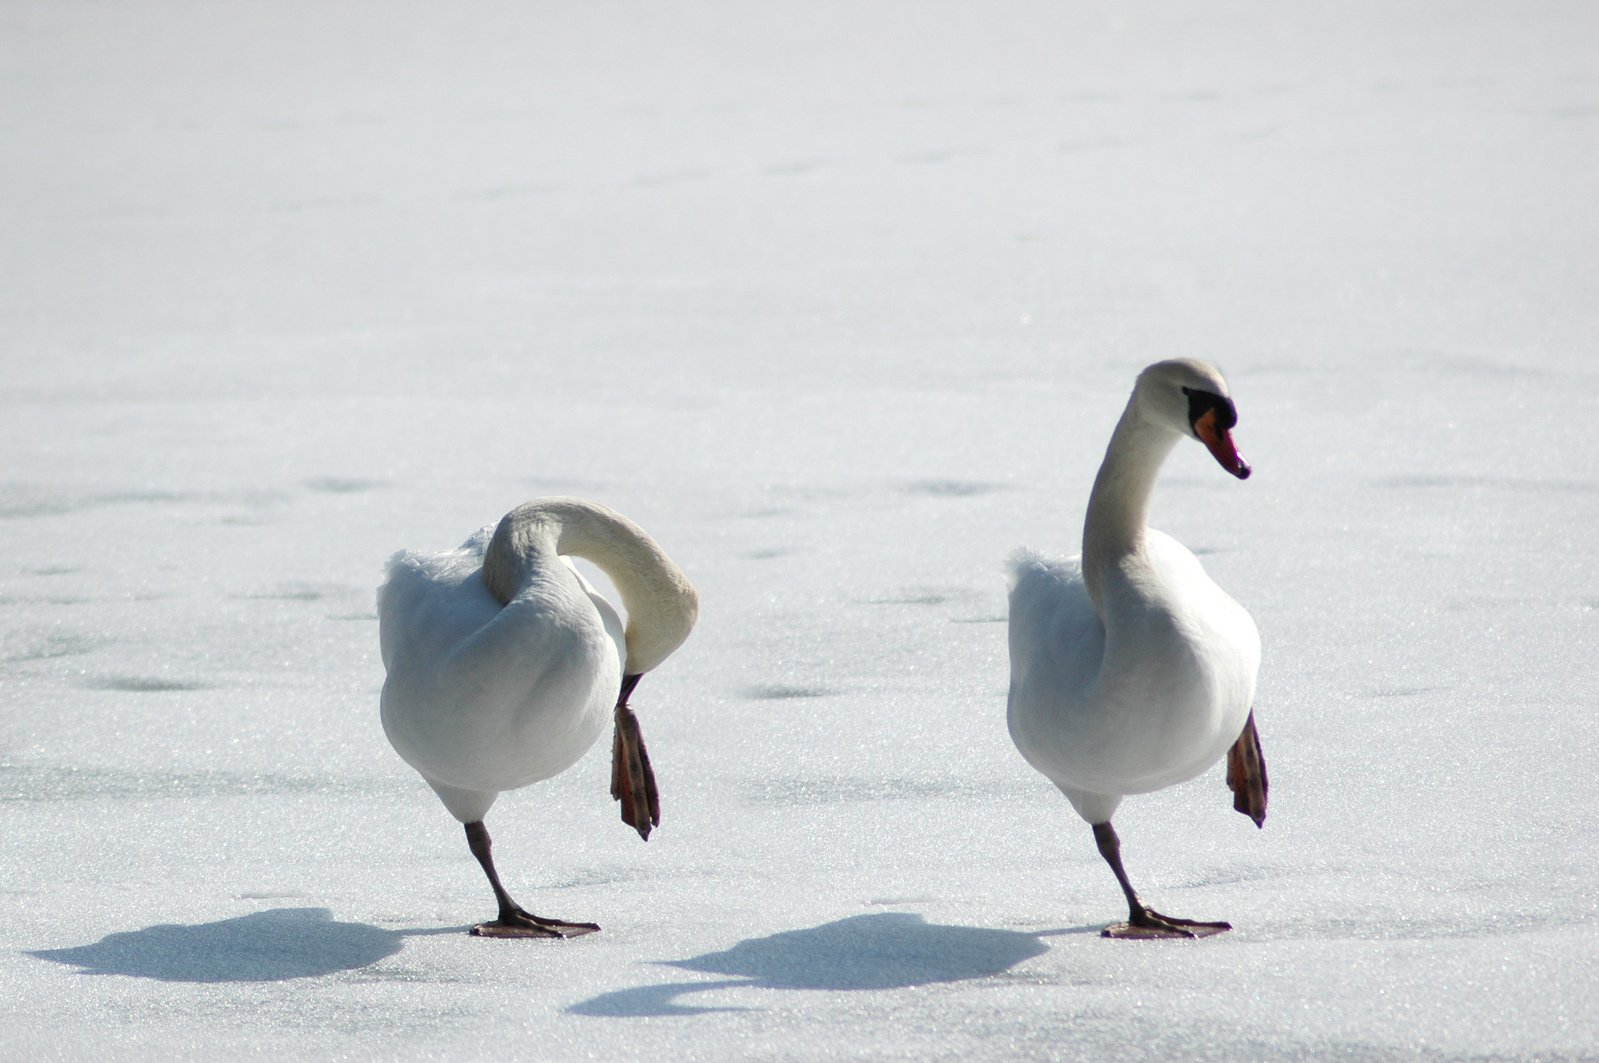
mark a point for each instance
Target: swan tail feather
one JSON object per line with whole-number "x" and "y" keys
{"x": 1246, "y": 773}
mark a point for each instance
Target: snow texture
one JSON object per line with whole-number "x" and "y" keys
{"x": 840, "y": 301}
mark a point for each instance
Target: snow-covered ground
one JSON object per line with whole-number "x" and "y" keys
{"x": 840, "y": 301}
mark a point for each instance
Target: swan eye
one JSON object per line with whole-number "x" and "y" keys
{"x": 1202, "y": 402}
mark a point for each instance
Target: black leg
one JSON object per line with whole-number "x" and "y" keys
{"x": 477, "y": 839}
{"x": 1110, "y": 847}
{"x": 513, "y": 920}
{"x": 1143, "y": 921}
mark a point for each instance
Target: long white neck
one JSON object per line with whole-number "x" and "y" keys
{"x": 661, "y": 604}
{"x": 1118, "y": 507}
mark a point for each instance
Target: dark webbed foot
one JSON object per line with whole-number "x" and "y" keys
{"x": 521, "y": 923}
{"x": 1143, "y": 921}
{"x": 1246, "y": 773}
{"x": 1148, "y": 923}
{"x": 632, "y": 779}
{"x": 514, "y": 921}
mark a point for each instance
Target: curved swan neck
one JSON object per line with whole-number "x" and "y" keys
{"x": 1118, "y": 506}
{"x": 661, "y": 603}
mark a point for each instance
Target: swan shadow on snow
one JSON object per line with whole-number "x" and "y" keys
{"x": 885, "y": 950}
{"x": 270, "y": 946}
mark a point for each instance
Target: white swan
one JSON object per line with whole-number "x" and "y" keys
{"x": 1130, "y": 669}
{"x": 503, "y": 663}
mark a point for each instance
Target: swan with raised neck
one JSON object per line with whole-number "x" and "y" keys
{"x": 1178, "y": 398}
{"x": 1131, "y": 670}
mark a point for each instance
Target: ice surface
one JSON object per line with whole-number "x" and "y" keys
{"x": 840, "y": 301}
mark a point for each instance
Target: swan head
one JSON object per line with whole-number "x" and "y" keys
{"x": 1190, "y": 397}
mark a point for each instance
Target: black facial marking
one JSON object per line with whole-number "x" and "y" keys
{"x": 1202, "y": 402}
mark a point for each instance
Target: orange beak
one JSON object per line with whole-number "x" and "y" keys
{"x": 1220, "y": 443}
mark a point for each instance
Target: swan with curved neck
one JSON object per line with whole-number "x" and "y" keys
{"x": 1130, "y": 669}
{"x": 503, "y": 664}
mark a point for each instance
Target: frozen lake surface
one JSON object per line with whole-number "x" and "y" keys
{"x": 841, "y": 305}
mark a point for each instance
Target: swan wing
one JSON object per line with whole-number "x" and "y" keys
{"x": 607, "y": 612}
{"x": 420, "y": 590}
{"x": 481, "y": 697}
{"x": 1056, "y": 645}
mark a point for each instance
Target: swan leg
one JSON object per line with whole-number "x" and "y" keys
{"x": 1143, "y": 921}
{"x": 514, "y": 921}
{"x": 632, "y": 779}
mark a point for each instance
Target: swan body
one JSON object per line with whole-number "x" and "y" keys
{"x": 481, "y": 697}
{"x": 1131, "y": 670}
{"x": 1155, "y": 704}
{"x": 503, "y": 663}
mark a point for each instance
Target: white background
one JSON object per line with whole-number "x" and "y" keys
{"x": 840, "y": 301}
